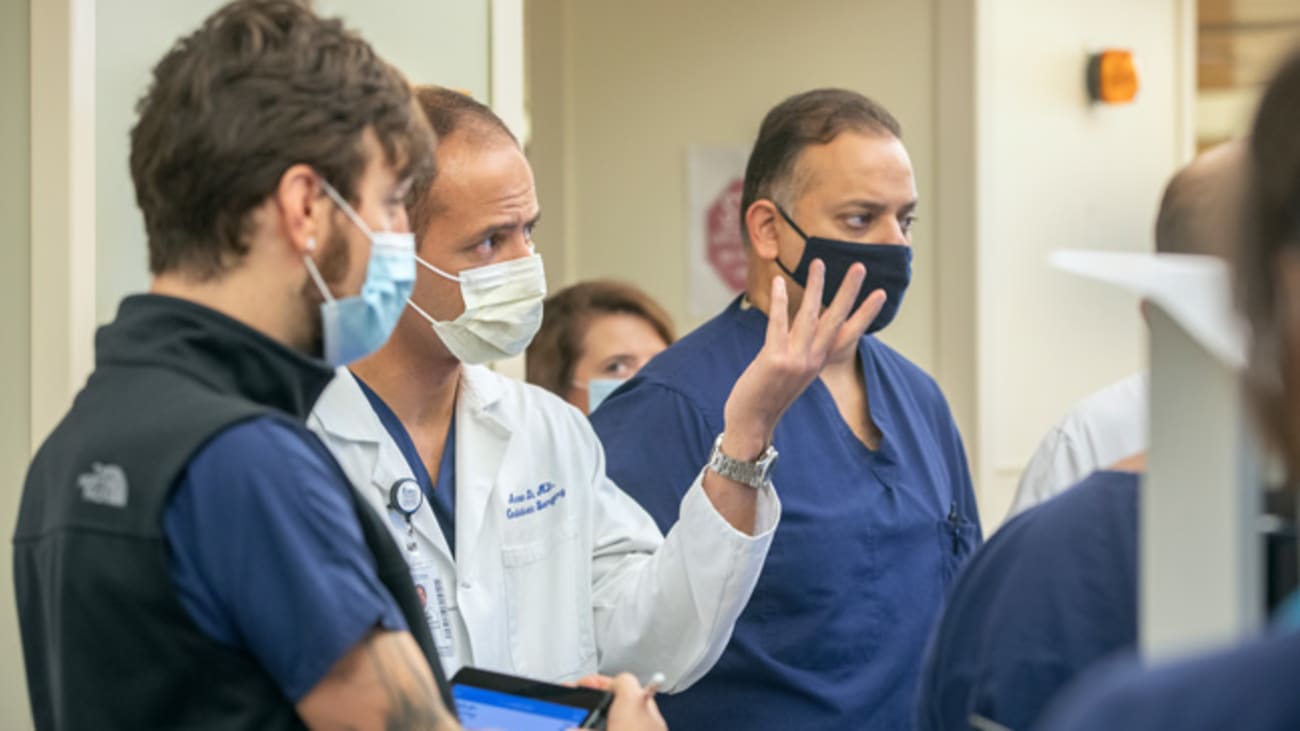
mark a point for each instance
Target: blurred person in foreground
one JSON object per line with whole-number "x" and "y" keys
{"x": 1250, "y": 686}
{"x": 1055, "y": 589}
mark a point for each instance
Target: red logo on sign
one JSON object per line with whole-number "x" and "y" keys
{"x": 725, "y": 251}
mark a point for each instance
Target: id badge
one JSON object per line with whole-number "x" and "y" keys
{"x": 433, "y": 599}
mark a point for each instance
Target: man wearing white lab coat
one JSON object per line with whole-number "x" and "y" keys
{"x": 553, "y": 571}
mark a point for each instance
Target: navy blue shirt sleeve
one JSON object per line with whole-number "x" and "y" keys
{"x": 658, "y": 477}
{"x": 267, "y": 555}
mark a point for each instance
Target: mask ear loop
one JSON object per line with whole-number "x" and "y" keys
{"x": 797, "y": 230}
{"x": 346, "y": 208}
{"x": 432, "y": 320}
{"x": 436, "y": 270}
{"x": 315, "y": 273}
{"x": 421, "y": 311}
{"x": 311, "y": 242}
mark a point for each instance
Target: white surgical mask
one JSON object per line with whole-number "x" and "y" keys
{"x": 503, "y": 309}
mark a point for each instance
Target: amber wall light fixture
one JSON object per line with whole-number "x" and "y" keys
{"x": 1112, "y": 77}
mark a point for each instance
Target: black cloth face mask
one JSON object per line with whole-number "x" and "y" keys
{"x": 889, "y": 267}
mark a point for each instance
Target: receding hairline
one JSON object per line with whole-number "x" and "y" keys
{"x": 792, "y": 183}
{"x": 1202, "y": 202}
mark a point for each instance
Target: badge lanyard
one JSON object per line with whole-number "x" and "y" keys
{"x": 406, "y": 497}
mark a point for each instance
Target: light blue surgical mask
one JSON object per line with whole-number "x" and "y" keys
{"x": 354, "y": 327}
{"x": 599, "y": 389}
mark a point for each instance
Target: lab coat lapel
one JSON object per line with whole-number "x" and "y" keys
{"x": 483, "y": 438}
{"x": 347, "y": 414}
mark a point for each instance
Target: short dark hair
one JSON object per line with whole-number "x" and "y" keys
{"x": 812, "y": 118}
{"x": 261, "y": 86}
{"x": 555, "y": 350}
{"x": 448, "y": 112}
{"x": 1271, "y": 227}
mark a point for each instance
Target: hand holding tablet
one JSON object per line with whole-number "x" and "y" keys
{"x": 487, "y": 700}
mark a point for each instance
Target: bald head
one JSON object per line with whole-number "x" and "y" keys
{"x": 1201, "y": 209}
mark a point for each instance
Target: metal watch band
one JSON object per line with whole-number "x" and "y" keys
{"x": 756, "y": 474}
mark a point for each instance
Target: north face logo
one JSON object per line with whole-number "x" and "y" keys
{"x": 105, "y": 484}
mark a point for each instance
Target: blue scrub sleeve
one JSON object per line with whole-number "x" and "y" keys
{"x": 267, "y": 554}
{"x": 656, "y": 472}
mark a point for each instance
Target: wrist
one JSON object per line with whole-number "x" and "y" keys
{"x": 755, "y": 472}
{"x": 744, "y": 444}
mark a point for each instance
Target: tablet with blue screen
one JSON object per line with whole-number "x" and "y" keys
{"x": 487, "y": 700}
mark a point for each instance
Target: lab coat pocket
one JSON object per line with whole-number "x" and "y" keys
{"x": 548, "y": 605}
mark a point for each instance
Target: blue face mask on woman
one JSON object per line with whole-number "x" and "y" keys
{"x": 889, "y": 267}
{"x": 354, "y": 327}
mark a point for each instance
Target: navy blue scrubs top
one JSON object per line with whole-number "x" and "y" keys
{"x": 1248, "y": 687}
{"x": 1053, "y": 592}
{"x": 867, "y": 544}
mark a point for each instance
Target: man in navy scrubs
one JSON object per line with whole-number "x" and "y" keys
{"x": 877, "y": 506}
{"x": 1055, "y": 590}
{"x": 1253, "y": 686}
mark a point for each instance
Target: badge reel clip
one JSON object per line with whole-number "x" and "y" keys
{"x": 406, "y": 497}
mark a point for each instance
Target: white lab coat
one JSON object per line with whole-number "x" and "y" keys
{"x": 584, "y": 584}
{"x": 1106, "y": 427}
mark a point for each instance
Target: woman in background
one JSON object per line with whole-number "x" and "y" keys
{"x": 594, "y": 336}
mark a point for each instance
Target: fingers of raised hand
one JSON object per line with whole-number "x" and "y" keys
{"x": 867, "y": 312}
{"x": 828, "y": 326}
{"x": 805, "y": 323}
{"x": 778, "y": 315}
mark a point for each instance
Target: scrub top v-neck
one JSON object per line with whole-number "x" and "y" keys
{"x": 868, "y": 542}
{"x": 441, "y": 493}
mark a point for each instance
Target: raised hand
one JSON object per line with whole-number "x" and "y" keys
{"x": 793, "y": 355}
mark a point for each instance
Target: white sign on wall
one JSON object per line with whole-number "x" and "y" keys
{"x": 715, "y": 254}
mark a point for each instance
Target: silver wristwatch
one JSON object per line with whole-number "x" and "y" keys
{"x": 755, "y": 474}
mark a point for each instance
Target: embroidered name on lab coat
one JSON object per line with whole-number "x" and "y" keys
{"x": 544, "y": 496}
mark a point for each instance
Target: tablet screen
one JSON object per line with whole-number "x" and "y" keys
{"x": 480, "y": 708}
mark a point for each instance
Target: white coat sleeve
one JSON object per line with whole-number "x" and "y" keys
{"x": 670, "y": 604}
{"x": 1056, "y": 464}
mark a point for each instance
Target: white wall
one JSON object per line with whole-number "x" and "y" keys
{"x": 1055, "y": 172}
{"x": 15, "y": 334}
{"x": 442, "y": 41}
{"x": 618, "y": 89}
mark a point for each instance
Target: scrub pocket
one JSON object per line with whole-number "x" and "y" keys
{"x": 548, "y": 601}
{"x": 956, "y": 542}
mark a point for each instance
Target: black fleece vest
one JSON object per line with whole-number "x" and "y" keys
{"x": 107, "y": 643}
